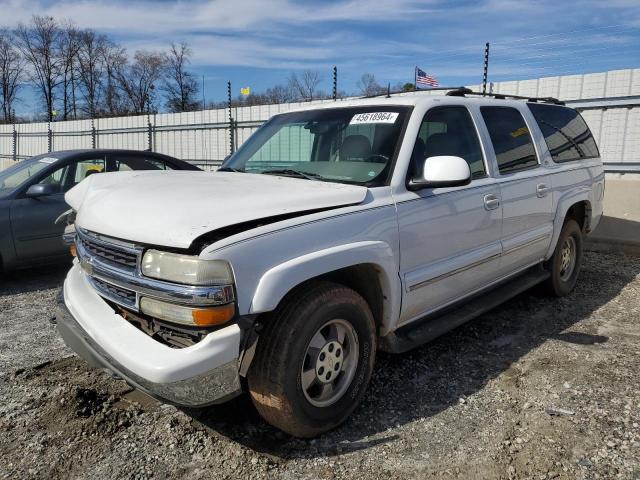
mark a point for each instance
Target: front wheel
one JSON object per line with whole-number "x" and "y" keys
{"x": 314, "y": 360}
{"x": 566, "y": 262}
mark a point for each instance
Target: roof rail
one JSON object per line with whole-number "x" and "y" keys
{"x": 462, "y": 91}
{"x": 396, "y": 92}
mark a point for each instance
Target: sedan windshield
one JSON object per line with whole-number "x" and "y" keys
{"x": 350, "y": 145}
{"x": 14, "y": 176}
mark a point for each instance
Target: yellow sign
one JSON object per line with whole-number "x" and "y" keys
{"x": 520, "y": 131}
{"x": 245, "y": 91}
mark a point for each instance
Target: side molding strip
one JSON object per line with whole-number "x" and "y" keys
{"x": 452, "y": 272}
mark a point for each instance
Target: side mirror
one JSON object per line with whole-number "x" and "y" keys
{"x": 442, "y": 171}
{"x": 42, "y": 190}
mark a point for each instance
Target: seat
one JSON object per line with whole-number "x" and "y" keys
{"x": 355, "y": 148}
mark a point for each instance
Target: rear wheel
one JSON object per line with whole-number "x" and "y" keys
{"x": 566, "y": 262}
{"x": 313, "y": 360}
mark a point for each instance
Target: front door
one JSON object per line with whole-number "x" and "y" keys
{"x": 36, "y": 235}
{"x": 449, "y": 237}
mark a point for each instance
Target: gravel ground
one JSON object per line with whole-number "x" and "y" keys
{"x": 539, "y": 388}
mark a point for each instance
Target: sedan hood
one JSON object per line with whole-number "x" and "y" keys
{"x": 172, "y": 209}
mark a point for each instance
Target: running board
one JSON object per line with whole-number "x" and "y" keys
{"x": 432, "y": 326}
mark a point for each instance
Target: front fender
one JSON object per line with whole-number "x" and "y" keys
{"x": 281, "y": 279}
{"x": 565, "y": 202}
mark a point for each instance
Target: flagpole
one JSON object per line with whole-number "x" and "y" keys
{"x": 415, "y": 78}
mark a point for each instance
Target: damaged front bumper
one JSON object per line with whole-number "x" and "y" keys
{"x": 203, "y": 374}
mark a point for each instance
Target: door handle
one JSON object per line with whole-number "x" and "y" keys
{"x": 491, "y": 201}
{"x": 542, "y": 190}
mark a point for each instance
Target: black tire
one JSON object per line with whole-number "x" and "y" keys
{"x": 275, "y": 376}
{"x": 561, "y": 282}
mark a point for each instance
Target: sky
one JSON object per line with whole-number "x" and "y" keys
{"x": 257, "y": 43}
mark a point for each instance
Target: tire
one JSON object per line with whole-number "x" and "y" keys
{"x": 298, "y": 348}
{"x": 566, "y": 262}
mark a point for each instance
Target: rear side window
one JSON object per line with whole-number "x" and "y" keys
{"x": 566, "y": 133}
{"x": 510, "y": 138}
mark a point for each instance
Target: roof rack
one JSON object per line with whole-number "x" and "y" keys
{"x": 463, "y": 91}
{"x": 388, "y": 93}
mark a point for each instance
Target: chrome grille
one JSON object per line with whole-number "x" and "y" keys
{"x": 117, "y": 294}
{"x": 110, "y": 253}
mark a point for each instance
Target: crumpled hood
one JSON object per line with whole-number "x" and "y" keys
{"x": 173, "y": 208}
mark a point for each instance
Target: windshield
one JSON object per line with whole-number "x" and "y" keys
{"x": 351, "y": 145}
{"x": 16, "y": 175}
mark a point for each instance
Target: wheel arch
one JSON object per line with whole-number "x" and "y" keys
{"x": 351, "y": 265}
{"x": 575, "y": 204}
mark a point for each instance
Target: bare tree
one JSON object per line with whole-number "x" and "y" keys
{"x": 306, "y": 84}
{"x": 38, "y": 43}
{"x": 180, "y": 86}
{"x": 68, "y": 46}
{"x": 138, "y": 80}
{"x": 278, "y": 94}
{"x": 115, "y": 64}
{"x": 368, "y": 85}
{"x": 11, "y": 71}
{"x": 91, "y": 69}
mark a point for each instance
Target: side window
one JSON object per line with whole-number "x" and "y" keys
{"x": 137, "y": 163}
{"x": 85, "y": 168}
{"x": 59, "y": 178}
{"x": 510, "y": 138}
{"x": 449, "y": 131}
{"x": 566, "y": 133}
{"x": 159, "y": 164}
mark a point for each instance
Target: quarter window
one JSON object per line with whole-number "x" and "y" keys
{"x": 511, "y": 139}
{"x": 85, "y": 168}
{"x": 567, "y": 135}
{"x": 448, "y": 131}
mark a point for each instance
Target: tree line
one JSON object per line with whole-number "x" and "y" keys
{"x": 80, "y": 73}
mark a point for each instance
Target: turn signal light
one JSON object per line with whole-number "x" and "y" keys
{"x": 207, "y": 317}
{"x": 72, "y": 250}
{"x": 198, "y": 316}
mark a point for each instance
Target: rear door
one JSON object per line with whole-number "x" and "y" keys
{"x": 525, "y": 187}
{"x": 449, "y": 237}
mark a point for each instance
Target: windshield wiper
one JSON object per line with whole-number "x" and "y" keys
{"x": 230, "y": 169}
{"x": 290, "y": 172}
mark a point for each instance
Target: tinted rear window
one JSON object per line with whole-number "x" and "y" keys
{"x": 510, "y": 138}
{"x": 566, "y": 133}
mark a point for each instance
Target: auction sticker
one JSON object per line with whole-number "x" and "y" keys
{"x": 48, "y": 160}
{"x": 374, "y": 117}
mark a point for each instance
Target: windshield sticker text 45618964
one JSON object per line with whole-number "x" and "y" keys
{"x": 374, "y": 117}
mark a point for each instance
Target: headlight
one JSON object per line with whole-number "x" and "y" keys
{"x": 186, "y": 269}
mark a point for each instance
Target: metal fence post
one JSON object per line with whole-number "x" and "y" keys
{"x": 15, "y": 144}
{"x": 94, "y": 134}
{"x": 150, "y": 135}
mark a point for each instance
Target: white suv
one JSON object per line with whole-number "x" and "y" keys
{"x": 334, "y": 231}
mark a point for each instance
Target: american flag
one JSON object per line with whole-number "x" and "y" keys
{"x": 425, "y": 81}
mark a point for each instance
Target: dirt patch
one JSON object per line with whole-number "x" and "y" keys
{"x": 538, "y": 388}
